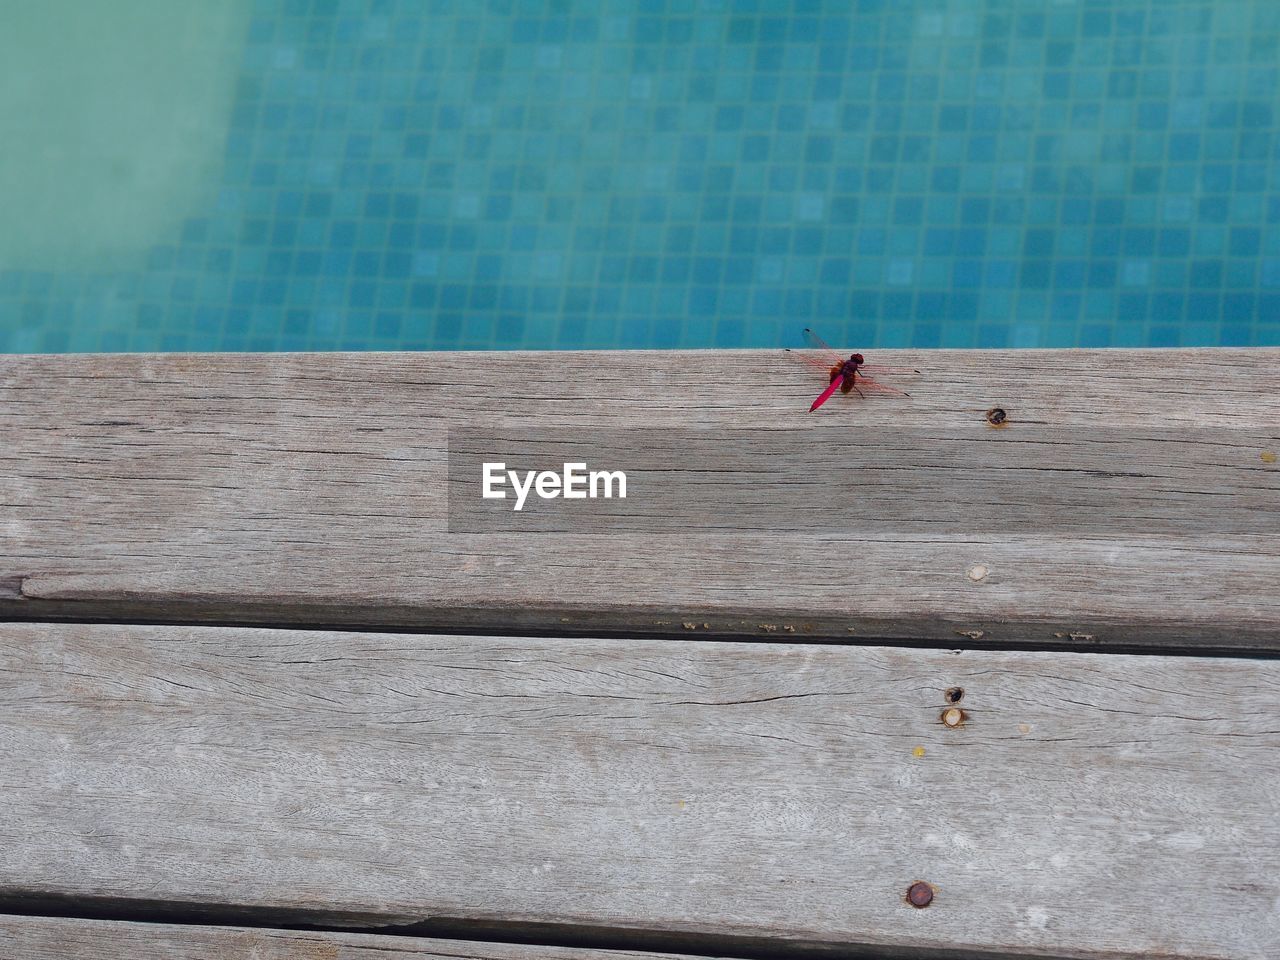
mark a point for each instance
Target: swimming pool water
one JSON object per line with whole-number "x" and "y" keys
{"x": 436, "y": 174}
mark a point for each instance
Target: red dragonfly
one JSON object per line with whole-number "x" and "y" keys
{"x": 845, "y": 375}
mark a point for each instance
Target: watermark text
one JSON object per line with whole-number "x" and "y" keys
{"x": 574, "y": 482}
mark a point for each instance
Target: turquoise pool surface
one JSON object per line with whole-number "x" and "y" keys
{"x": 443, "y": 174}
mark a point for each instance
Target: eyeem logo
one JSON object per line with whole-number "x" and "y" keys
{"x": 574, "y": 483}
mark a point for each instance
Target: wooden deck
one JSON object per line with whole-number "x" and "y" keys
{"x": 263, "y": 692}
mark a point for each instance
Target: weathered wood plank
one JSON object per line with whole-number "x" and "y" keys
{"x": 55, "y": 938}
{"x": 1088, "y": 806}
{"x": 310, "y": 489}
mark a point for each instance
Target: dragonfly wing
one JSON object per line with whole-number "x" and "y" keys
{"x": 876, "y": 370}
{"x": 866, "y": 383}
{"x": 825, "y": 395}
{"x": 821, "y": 363}
{"x": 817, "y": 342}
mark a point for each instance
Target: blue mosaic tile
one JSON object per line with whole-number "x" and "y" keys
{"x": 441, "y": 174}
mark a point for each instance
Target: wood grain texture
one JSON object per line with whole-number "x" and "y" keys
{"x": 310, "y": 489}
{"x": 1089, "y": 806}
{"x": 54, "y": 938}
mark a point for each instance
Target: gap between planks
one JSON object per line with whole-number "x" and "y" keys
{"x": 965, "y": 640}
{"x": 71, "y": 936}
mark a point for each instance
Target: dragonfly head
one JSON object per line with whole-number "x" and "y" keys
{"x": 857, "y": 359}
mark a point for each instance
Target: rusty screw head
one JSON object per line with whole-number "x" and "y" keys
{"x": 955, "y": 694}
{"x": 920, "y": 894}
{"x": 996, "y": 416}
